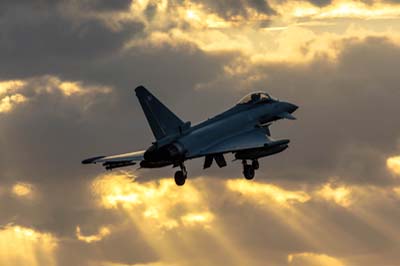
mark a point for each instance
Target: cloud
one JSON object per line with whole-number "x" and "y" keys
{"x": 207, "y": 213}
{"x": 94, "y": 5}
{"x": 157, "y": 202}
{"x": 321, "y": 2}
{"x": 103, "y": 232}
{"x": 104, "y": 5}
{"x": 58, "y": 37}
{"x": 21, "y": 245}
{"x": 339, "y": 194}
{"x": 310, "y": 259}
{"x": 259, "y": 192}
{"x": 23, "y": 190}
{"x": 230, "y": 9}
{"x": 9, "y": 102}
{"x": 393, "y": 164}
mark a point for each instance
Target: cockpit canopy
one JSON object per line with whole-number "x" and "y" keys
{"x": 256, "y": 97}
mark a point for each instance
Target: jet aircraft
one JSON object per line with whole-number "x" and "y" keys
{"x": 242, "y": 130}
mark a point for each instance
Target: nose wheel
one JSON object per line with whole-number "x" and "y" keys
{"x": 180, "y": 176}
{"x": 249, "y": 169}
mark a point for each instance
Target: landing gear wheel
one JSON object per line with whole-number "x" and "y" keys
{"x": 255, "y": 164}
{"x": 248, "y": 172}
{"x": 180, "y": 178}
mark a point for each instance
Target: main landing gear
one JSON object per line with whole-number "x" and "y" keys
{"x": 181, "y": 175}
{"x": 249, "y": 169}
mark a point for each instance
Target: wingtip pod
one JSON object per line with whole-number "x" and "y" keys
{"x": 113, "y": 165}
{"x": 140, "y": 89}
{"x": 91, "y": 160}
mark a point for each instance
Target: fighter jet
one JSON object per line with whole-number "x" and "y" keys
{"x": 242, "y": 130}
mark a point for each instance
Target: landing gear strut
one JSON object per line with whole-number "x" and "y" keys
{"x": 180, "y": 176}
{"x": 255, "y": 164}
{"x": 248, "y": 170}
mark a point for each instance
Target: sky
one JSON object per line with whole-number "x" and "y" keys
{"x": 68, "y": 70}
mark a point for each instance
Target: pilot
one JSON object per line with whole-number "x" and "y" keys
{"x": 255, "y": 97}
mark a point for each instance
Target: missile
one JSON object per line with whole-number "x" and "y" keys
{"x": 112, "y": 165}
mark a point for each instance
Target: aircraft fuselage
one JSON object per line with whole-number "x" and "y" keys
{"x": 200, "y": 137}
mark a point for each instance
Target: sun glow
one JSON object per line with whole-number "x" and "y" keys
{"x": 339, "y": 194}
{"x": 360, "y": 10}
{"x": 192, "y": 219}
{"x": 199, "y": 18}
{"x": 168, "y": 217}
{"x": 190, "y": 14}
{"x": 292, "y": 36}
{"x": 9, "y": 102}
{"x": 21, "y": 189}
{"x": 8, "y": 86}
{"x": 393, "y": 164}
{"x": 70, "y": 88}
{"x": 260, "y": 192}
{"x": 340, "y": 9}
{"x": 103, "y": 232}
{"x": 157, "y": 201}
{"x": 24, "y": 246}
{"x": 312, "y": 259}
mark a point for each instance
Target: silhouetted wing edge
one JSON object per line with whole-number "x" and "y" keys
{"x": 131, "y": 157}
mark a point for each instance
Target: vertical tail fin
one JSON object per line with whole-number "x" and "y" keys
{"x": 162, "y": 121}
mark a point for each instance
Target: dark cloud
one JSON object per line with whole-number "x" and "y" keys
{"x": 230, "y": 8}
{"x": 44, "y": 41}
{"x": 57, "y": 37}
{"x": 105, "y": 5}
{"x": 321, "y": 3}
{"x": 82, "y": 5}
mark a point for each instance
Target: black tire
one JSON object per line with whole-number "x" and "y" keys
{"x": 248, "y": 172}
{"x": 255, "y": 164}
{"x": 180, "y": 178}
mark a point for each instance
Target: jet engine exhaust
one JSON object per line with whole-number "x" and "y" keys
{"x": 171, "y": 152}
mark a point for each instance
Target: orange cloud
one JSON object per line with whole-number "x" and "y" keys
{"x": 159, "y": 202}
{"x": 300, "y": 32}
{"x": 260, "y": 192}
{"x": 11, "y": 91}
{"x": 197, "y": 218}
{"x": 23, "y": 190}
{"x": 25, "y": 246}
{"x": 313, "y": 259}
{"x": 341, "y": 195}
{"x": 103, "y": 232}
{"x": 8, "y": 86}
{"x": 9, "y": 102}
{"x": 393, "y": 164}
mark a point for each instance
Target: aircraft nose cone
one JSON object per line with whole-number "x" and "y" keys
{"x": 292, "y": 107}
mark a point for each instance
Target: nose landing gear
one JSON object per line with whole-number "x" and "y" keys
{"x": 180, "y": 176}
